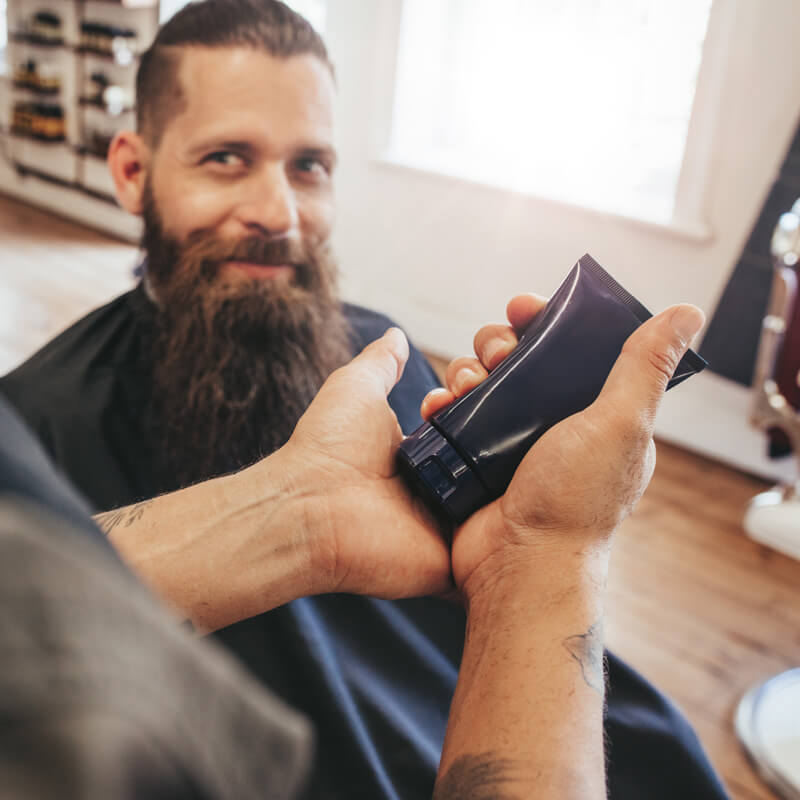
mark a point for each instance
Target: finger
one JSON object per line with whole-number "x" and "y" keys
{"x": 493, "y": 343}
{"x": 380, "y": 363}
{"x": 435, "y": 401}
{"x": 463, "y": 373}
{"x": 648, "y": 360}
{"x": 521, "y": 310}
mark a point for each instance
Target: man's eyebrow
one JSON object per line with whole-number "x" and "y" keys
{"x": 322, "y": 152}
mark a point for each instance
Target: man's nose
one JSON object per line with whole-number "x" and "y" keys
{"x": 271, "y": 205}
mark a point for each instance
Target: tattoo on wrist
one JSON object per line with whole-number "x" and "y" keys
{"x": 587, "y": 650}
{"x": 476, "y": 777}
{"x": 121, "y": 517}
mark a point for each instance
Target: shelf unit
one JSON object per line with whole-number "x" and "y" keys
{"x": 68, "y": 87}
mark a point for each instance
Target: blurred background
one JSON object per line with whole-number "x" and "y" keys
{"x": 487, "y": 144}
{"x": 484, "y": 146}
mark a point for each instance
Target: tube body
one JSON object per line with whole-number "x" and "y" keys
{"x": 468, "y": 452}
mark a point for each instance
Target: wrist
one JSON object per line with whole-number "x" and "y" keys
{"x": 263, "y": 552}
{"x": 543, "y": 564}
{"x": 291, "y": 499}
{"x": 562, "y": 600}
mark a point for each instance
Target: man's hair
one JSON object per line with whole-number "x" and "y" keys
{"x": 266, "y": 25}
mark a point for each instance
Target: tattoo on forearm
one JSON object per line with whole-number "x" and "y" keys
{"x": 587, "y": 650}
{"x": 476, "y": 777}
{"x": 124, "y": 517}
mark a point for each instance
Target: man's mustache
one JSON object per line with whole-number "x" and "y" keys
{"x": 212, "y": 252}
{"x": 267, "y": 252}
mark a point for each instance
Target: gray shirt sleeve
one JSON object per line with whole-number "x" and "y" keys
{"x": 104, "y": 695}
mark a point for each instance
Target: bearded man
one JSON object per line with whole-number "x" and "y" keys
{"x": 209, "y": 362}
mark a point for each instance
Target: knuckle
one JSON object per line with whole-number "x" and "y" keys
{"x": 457, "y": 364}
{"x": 491, "y": 337}
{"x": 663, "y": 361}
{"x": 660, "y": 357}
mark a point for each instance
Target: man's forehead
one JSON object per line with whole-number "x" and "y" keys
{"x": 241, "y": 82}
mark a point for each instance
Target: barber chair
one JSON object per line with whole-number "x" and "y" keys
{"x": 773, "y": 517}
{"x": 768, "y": 717}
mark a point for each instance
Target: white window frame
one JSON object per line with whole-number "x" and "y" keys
{"x": 4, "y": 42}
{"x": 691, "y": 214}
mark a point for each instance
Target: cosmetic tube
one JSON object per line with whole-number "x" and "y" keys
{"x": 466, "y": 455}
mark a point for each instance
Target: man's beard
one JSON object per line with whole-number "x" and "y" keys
{"x": 234, "y": 362}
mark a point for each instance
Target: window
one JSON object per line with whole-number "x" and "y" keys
{"x": 312, "y": 10}
{"x": 584, "y": 101}
{"x": 3, "y": 27}
{"x": 167, "y": 8}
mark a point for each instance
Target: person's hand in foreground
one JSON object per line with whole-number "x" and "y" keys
{"x": 527, "y": 717}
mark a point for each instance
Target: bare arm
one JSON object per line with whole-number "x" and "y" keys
{"x": 527, "y": 717}
{"x": 222, "y": 550}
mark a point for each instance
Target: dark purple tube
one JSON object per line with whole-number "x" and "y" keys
{"x": 466, "y": 455}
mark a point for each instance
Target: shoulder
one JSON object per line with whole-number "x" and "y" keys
{"x": 57, "y": 370}
{"x": 418, "y": 377}
{"x": 366, "y": 325}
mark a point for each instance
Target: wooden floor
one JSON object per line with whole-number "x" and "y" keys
{"x": 696, "y": 606}
{"x": 51, "y": 273}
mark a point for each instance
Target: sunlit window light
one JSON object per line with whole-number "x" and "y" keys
{"x": 312, "y": 10}
{"x": 583, "y": 101}
{"x": 3, "y": 26}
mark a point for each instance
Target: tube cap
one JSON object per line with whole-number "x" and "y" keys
{"x": 435, "y": 471}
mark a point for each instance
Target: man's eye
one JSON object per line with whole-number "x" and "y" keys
{"x": 224, "y": 157}
{"x": 311, "y": 165}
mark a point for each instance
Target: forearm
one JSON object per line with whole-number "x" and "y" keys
{"x": 219, "y": 551}
{"x": 527, "y": 716}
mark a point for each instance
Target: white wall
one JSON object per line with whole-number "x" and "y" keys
{"x": 443, "y": 256}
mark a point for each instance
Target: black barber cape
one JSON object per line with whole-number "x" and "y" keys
{"x": 375, "y": 677}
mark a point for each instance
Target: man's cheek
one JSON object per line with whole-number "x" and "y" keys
{"x": 316, "y": 221}
{"x": 187, "y": 208}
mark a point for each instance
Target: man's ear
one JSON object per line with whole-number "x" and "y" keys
{"x": 128, "y": 159}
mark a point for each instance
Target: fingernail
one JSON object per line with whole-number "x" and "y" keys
{"x": 687, "y": 321}
{"x": 397, "y": 341}
{"x": 497, "y": 346}
{"x": 464, "y": 377}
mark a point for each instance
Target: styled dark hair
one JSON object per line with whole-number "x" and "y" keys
{"x": 267, "y": 25}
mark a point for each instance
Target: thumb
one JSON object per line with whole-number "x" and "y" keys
{"x": 380, "y": 364}
{"x": 649, "y": 359}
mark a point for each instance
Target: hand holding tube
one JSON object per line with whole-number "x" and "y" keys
{"x": 465, "y": 456}
{"x": 585, "y": 474}
{"x": 582, "y": 477}
{"x": 367, "y": 534}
